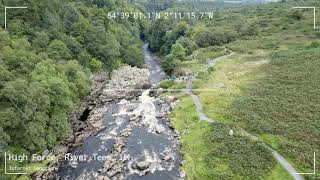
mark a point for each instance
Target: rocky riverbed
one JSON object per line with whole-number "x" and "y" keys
{"x": 125, "y": 122}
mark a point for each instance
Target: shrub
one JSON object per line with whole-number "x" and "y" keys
{"x": 95, "y": 65}
{"x": 166, "y": 84}
{"x": 188, "y": 44}
{"x": 168, "y": 64}
{"x": 213, "y": 37}
{"x": 315, "y": 44}
{"x": 295, "y": 15}
{"x": 178, "y": 52}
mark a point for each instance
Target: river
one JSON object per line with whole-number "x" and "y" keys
{"x": 137, "y": 142}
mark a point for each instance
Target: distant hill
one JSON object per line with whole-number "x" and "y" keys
{"x": 160, "y": 5}
{"x": 233, "y": 1}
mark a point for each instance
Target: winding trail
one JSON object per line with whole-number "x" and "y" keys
{"x": 211, "y": 63}
{"x": 203, "y": 117}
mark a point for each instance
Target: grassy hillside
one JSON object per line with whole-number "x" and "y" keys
{"x": 268, "y": 87}
{"x": 281, "y": 106}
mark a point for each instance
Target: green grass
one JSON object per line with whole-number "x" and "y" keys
{"x": 270, "y": 87}
{"x": 194, "y": 148}
{"x": 210, "y": 153}
{"x": 225, "y": 82}
{"x": 279, "y": 173}
{"x": 199, "y": 59}
{"x": 275, "y": 100}
{"x": 209, "y": 158}
{"x": 281, "y": 107}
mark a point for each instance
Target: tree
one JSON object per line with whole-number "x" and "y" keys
{"x": 181, "y": 29}
{"x": 40, "y": 41}
{"x": 21, "y": 44}
{"x": 4, "y": 140}
{"x": 58, "y": 50}
{"x": 178, "y": 52}
{"x": 133, "y": 56}
{"x": 203, "y": 38}
{"x": 169, "y": 64}
{"x": 157, "y": 32}
{"x": 73, "y": 45}
{"x": 84, "y": 58}
{"x": 4, "y": 38}
{"x": 188, "y": 44}
{"x": 70, "y": 16}
{"x": 19, "y": 62}
{"x": 19, "y": 27}
{"x": 213, "y": 37}
{"x": 95, "y": 65}
{"x": 103, "y": 45}
{"x": 53, "y": 24}
{"x": 77, "y": 79}
{"x": 80, "y": 28}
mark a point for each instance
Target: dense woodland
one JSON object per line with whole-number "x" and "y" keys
{"x": 47, "y": 55}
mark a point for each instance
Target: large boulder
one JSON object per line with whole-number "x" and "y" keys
{"x": 143, "y": 165}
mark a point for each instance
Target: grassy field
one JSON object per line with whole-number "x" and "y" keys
{"x": 209, "y": 152}
{"x": 270, "y": 93}
{"x": 270, "y": 87}
{"x": 272, "y": 96}
{"x": 282, "y": 107}
{"x": 194, "y": 148}
{"x": 225, "y": 82}
{"x": 199, "y": 59}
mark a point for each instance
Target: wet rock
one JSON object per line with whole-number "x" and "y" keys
{"x": 171, "y": 98}
{"x": 103, "y": 178}
{"x": 45, "y": 153}
{"x": 112, "y": 173}
{"x": 168, "y": 157}
{"x": 131, "y": 107}
{"x": 182, "y": 174}
{"x": 146, "y": 86}
{"x": 176, "y": 134}
{"x": 113, "y": 133}
{"x": 60, "y": 151}
{"x": 119, "y": 144}
{"x": 117, "y": 167}
{"x": 152, "y": 93}
{"x": 159, "y": 129}
{"x": 170, "y": 126}
{"x": 134, "y": 118}
{"x": 160, "y": 90}
{"x": 141, "y": 166}
{"x": 125, "y": 134}
{"x": 134, "y": 166}
{"x": 160, "y": 114}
